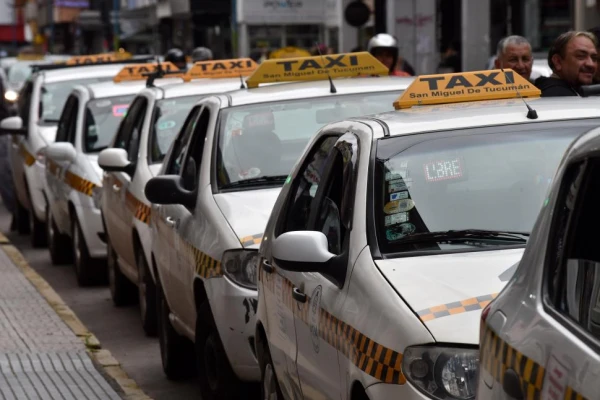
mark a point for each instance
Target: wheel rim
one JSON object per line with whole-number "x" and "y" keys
{"x": 76, "y": 246}
{"x": 49, "y": 227}
{"x": 210, "y": 364}
{"x": 142, "y": 288}
{"x": 269, "y": 384}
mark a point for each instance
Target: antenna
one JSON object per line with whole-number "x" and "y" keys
{"x": 243, "y": 83}
{"x": 531, "y": 113}
{"x": 332, "y": 88}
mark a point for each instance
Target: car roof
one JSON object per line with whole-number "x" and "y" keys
{"x": 110, "y": 88}
{"x": 83, "y": 72}
{"x": 200, "y": 87}
{"x": 487, "y": 113}
{"x": 311, "y": 89}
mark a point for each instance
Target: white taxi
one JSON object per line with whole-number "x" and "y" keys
{"x": 156, "y": 116}
{"x": 88, "y": 123}
{"x": 40, "y": 104}
{"x": 394, "y": 231}
{"x": 540, "y": 338}
{"x": 216, "y": 191}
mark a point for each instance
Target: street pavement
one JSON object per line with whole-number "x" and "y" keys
{"x": 40, "y": 356}
{"x": 118, "y": 329}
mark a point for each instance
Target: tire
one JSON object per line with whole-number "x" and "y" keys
{"x": 58, "y": 244}
{"x": 269, "y": 386}
{"x": 37, "y": 230}
{"x": 87, "y": 270}
{"x": 217, "y": 379}
{"x": 22, "y": 216}
{"x": 176, "y": 352}
{"x": 146, "y": 295}
{"x": 122, "y": 291}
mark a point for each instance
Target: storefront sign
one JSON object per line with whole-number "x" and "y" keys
{"x": 278, "y": 12}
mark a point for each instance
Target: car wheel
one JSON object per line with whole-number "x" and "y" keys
{"x": 58, "y": 244}
{"x": 37, "y": 230}
{"x": 147, "y": 295}
{"x": 269, "y": 388}
{"x": 87, "y": 270}
{"x": 217, "y": 379}
{"x": 122, "y": 290}
{"x": 176, "y": 352}
{"x": 22, "y": 219}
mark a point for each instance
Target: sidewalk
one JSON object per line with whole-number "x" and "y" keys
{"x": 40, "y": 356}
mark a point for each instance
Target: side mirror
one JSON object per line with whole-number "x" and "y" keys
{"x": 302, "y": 251}
{"x": 115, "y": 160}
{"x": 12, "y": 126}
{"x": 168, "y": 189}
{"x": 61, "y": 151}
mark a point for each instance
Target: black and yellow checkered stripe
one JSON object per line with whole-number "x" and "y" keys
{"x": 378, "y": 361}
{"x": 206, "y": 266}
{"x": 53, "y": 167}
{"x": 251, "y": 240}
{"x": 138, "y": 208}
{"x": 456, "y": 307}
{"x": 78, "y": 183}
{"x": 27, "y": 156}
{"x": 497, "y": 356}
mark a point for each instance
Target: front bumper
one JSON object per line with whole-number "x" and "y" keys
{"x": 234, "y": 310}
{"x": 385, "y": 391}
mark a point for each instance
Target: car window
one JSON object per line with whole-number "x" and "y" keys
{"x": 102, "y": 118}
{"x": 304, "y": 188}
{"x": 24, "y": 102}
{"x": 493, "y": 179}
{"x": 265, "y": 140}
{"x": 65, "y": 122}
{"x": 168, "y": 118}
{"x": 574, "y": 259}
{"x": 129, "y": 129}
{"x": 54, "y": 95}
{"x": 193, "y": 158}
{"x": 182, "y": 142}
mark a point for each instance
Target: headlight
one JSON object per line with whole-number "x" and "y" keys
{"x": 443, "y": 373}
{"x": 97, "y": 196}
{"x": 240, "y": 266}
{"x": 11, "y": 95}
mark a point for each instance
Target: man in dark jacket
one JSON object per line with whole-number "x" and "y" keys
{"x": 572, "y": 59}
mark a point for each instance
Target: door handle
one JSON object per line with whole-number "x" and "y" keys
{"x": 269, "y": 269}
{"x": 170, "y": 222}
{"x": 298, "y": 295}
{"x": 116, "y": 188}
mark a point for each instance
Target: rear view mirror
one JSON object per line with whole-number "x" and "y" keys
{"x": 61, "y": 152}
{"x": 302, "y": 251}
{"x": 115, "y": 160}
{"x": 12, "y": 126}
{"x": 168, "y": 189}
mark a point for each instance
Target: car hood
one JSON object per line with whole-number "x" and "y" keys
{"x": 47, "y": 133}
{"x": 449, "y": 291}
{"x": 248, "y": 212}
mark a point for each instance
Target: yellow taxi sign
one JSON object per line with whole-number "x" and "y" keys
{"x": 98, "y": 58}
{"x": 289, "y": 52}
{"x": 316, "y": 68}
{"x": 136, "y": 72}
{"x": 466, "y": 86}
{"x": 222, "y": 68}
{"x": 30, "y": 57}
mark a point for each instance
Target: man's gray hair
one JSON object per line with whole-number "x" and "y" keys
{"x": 514, "y": 40}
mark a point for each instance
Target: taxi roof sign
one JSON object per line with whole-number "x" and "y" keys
{"x": 232, "y": 68}
{"x": 139, "y": 72}
{"x": 98, "y": 58}
{"x": 316, "y": 68}
{"x": 466, "y": 86}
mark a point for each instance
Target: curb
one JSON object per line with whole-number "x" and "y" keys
{"x": 102, "y": 357}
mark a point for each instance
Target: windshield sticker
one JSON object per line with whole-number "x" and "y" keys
{"x": 400, "y": 231}
{"x": 250, "y": 173}
{"x": 394, "y": 207}
{"x": 399, "y": 196}
{"x": 443, "y": 170}
{"x": 166, "y": 125}
{"x": 398, "y": 185}
{"x": 396, "y": 219}
{"x": 119, "y": 110}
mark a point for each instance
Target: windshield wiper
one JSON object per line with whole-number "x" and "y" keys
{"x": 269, "y": 180}
{"x": 464, "y": 234}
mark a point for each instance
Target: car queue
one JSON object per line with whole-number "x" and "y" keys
{"x": 321, "y": 229}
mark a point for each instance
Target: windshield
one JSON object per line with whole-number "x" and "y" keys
{"x": 54, "y": 97}
{"x": 491, "y": 179}
{"x": 265, "y": 140}
{"x": 102, "y": 119}
{"x": 18, "y": 73}
{"x": 169, "y": 115}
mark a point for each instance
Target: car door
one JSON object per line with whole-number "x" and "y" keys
{"x": 187, "y": 226}
{"x": 280, "y": 305}
{"x": 166, "y": 242}
{"x": 17, "y": 156}
{"x": 121, "y": 215}
{"x": 58, "y": 170}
